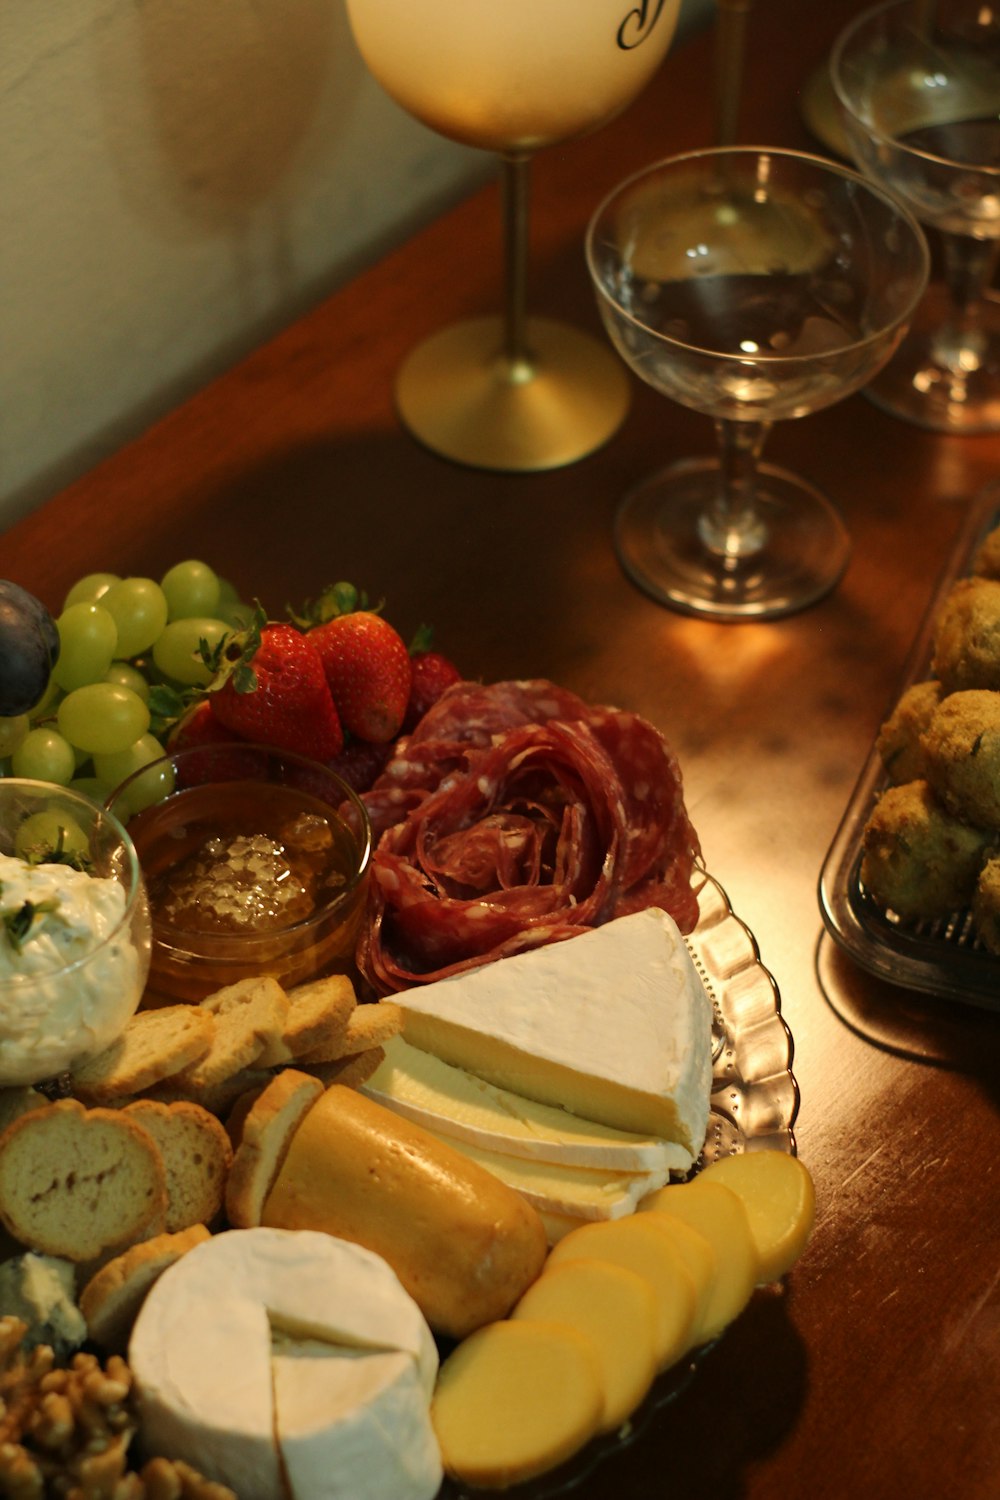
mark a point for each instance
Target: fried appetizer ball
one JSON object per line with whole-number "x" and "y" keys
{"x": 986, "y": 905}
{"x": 962, "y": 753}
{"x": 967, "y": 636}
{"x": 987, "y": 560}
{"x": 898, "y": 741}
{"x": 918, "y": 860}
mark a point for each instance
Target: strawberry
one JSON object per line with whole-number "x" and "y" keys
{"x": 273, "y": 690}
{"x": 199, "y": 727}
{"x": 431, "y": 674}
{"x": 367, "y": 668}
{"x": 214, "y": 752}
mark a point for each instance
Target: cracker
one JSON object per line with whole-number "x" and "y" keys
{"x": 155, "y": 1044}
{"x": 111, "y": 1299}
{"x": 268, "y": 1128}
{"x": 318, "y": 1013}
{"x": 368, "y": 1026}
{"x": 249, "y": 1017}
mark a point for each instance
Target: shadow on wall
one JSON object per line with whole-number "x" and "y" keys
{"x": 207, "y": 120}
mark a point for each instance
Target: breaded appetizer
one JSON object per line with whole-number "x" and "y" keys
{"x": 986, "y": 905}
{"x": 962, "y": 754}
{"x": 898, "y": 741}
{"x": 967, "y": 636}
{"x": 986, "y": 563}
{"x": 918, "y": 860}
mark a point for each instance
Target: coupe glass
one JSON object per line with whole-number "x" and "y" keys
{"x": 512, "y": 393}
{"x": 751, "y": 285}
{"x": 919, "y": 85}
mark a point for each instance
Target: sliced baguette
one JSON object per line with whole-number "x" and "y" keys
{"x": 196, "y": 1156}
{"x": 156, "y": 1044}
{"x": 111, "y": 1299}
{"x": 318, "y": 1013}
{"x": 266, "y": 1135}
{"x": 74, "y": 1181}
{"x": 368, "y": 1026}
{"x": 249, "y": 1017}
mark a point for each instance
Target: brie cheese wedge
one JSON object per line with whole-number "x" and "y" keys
{"x": 614, "y": 1026}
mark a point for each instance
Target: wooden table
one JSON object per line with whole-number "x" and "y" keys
{"x": 875, "y": 1372}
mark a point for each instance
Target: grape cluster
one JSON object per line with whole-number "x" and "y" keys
{"x": 127, "y": 648}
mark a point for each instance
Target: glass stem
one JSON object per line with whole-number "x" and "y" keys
{"x": 731, "y": 527}
{"x": 968, "y": 270}
{"x": 514, "y": 195}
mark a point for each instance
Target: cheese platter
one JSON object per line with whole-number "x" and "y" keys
{"x": 549, "y": 1090}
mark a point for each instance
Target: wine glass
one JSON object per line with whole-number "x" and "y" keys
{"x": 751, "y": 285}
{"x": 918, "y": 83}
{"x": 512, "y": 393}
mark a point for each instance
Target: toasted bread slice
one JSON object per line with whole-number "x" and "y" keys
{"x": 351, "y": 1071}
{"x": 249, "y": 1017}
{"x": 111, "y": 1299}
{"x": 368, "y": 1026}
{"x": 154, "y": 1045}
{"x": 103, "y": 1178}
{"x": 196, "y": 1156}
{"x": 267, "y": 1133}
{"x": 318, "y": 1013}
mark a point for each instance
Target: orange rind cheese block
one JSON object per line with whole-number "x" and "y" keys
{"x": 718, "y": 1215}
{"x": 463, "y": 1244}
{"x": 641, "y": 1247}
{"x": 778, "y": 1194}
{"x": 616, "y": 1309}
{"x": 514, "y": 1400}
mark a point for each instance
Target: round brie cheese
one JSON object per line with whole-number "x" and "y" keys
{"x": 288, "y": 1362}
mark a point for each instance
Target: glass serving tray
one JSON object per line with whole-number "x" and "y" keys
{"x": 755, "y": 1100}
{"x": 943, "y": 957}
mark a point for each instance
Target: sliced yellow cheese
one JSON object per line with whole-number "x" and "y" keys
{"x": 698, "y": 1259}
{"x": 616, "y": 1309}
{"x": 718, "y": 1215}
{"x": 640, "y": 1247}
{"x": 778, "y": 1194}
{"x": 454, "y": 1102}
{"x": 515, "y": 1399}
{"x": 584, "y": 1192}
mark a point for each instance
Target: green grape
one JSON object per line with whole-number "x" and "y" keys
{"x": 12, "y": 732}
{"x": 45, "y": 832}
{"x": 177, "y": 653}
{"x": 237, "y": 616}
{"x": 125, "y": 675}
{"x": 44, "y": 755}
{"x": 92, "y": 787}
{"x": 138, "y": 607}
{"x": 152, "y": 786}
{"x": 88, "y": 590}
{"x": 103, "y": 718}
{"x": 192, "y": 588}
{"x": 88, "y": 637}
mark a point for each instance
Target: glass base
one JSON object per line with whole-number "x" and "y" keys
{"x": 461, "y": 397}
{"x": 802, "y": 552}
{"x": 944, "y": 389}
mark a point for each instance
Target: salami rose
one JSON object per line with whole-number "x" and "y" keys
{"x": 516, "y": 815}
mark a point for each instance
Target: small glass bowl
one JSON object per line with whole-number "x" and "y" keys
{"x": 256, "y": 861}
{"x": 55, "y": 1014}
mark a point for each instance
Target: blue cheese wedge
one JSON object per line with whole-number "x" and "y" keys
{"x": 41, "y": 1291}
{"x": 614, "y": 1026}
{"x": 459, "y": 1106}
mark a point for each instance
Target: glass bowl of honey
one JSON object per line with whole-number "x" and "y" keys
{"x": 255, "y": 861}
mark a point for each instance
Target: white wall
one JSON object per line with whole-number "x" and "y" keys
{"x": 179, "y": 178}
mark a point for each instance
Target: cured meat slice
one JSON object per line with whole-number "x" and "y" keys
{"x": 515, "y": 815}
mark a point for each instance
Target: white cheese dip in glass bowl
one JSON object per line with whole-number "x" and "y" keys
{"x": 74, "y": 930}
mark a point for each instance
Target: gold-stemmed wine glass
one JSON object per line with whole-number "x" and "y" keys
{"x": 751, "y": 285}
{"x": 512, "y": 392}
{"x": 918, "y": 83}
